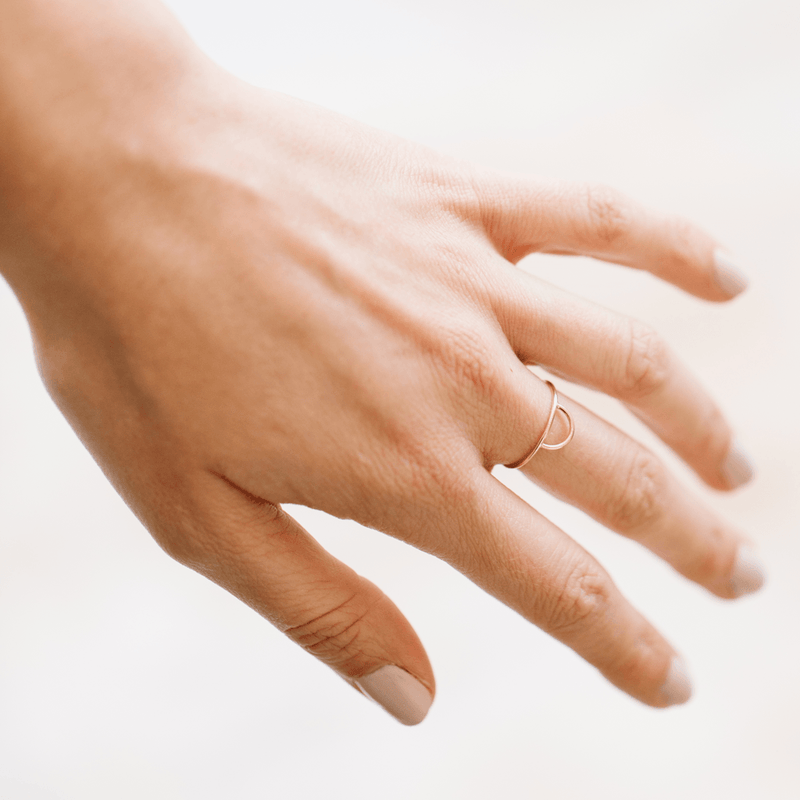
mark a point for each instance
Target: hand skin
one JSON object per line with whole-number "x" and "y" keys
{"x": 239, "y": 300}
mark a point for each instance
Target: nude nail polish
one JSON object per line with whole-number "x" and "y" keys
{"x": 730, "y": 278}
{"x": 397, "y": 692}
{"x": 677, "y": 688}
{"x": 748, "y": 574}
{"x": 737, "y": 468}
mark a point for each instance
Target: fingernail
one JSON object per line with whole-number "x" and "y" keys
{"x": 737, "y": 469}
{"x": 730, "y": 278}
{"x": 748, "y": 572}
{"x": 398, "y": 692}
{"x": 677, "y": 687}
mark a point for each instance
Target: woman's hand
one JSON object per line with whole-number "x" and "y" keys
{"x": 239, "y": 301}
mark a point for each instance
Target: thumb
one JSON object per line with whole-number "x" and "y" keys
{"x": 260, "y": 554}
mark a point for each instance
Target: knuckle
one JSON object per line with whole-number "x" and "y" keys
{"x": 686, "y": 244}
{"x": 446, "y": 475}
{"x": 336, "y": 637}
{"x": 188, "y": 547}
{"x": 641, "y": 666}
{"x": 638, "y": 502}
{"x": 469, "y": 363}
{"x": 609, "y": 220}
{"x": 64, "y": 374}
{"x": 209, "y": 545}
{"x": 452, "y": 185}
{"x": 175, "y": 547}
{"x": 584, "y": 597}
{"x": 648, "y": 364}
{"x": 714, "y": 559}
{"x": 445, "y": 479}
{"x": 484, "y": 196}
{"x": 432, "y": 469}
{"x": 469, "y": 194}
{"x": 713, "y": 434}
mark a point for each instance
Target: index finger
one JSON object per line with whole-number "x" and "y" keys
{"x": 507, "y": 548}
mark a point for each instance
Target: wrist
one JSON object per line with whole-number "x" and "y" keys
{"x": 83, "y": 85}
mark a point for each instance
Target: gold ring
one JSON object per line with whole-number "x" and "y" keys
{"x": 540, "y": 445}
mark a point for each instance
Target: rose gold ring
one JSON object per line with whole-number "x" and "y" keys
{"x": 540, "y": 445}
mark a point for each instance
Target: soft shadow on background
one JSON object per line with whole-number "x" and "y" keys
{"x": 123, "y": 675}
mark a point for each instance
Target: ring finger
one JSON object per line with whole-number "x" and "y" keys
{"x": 626, "y": 359}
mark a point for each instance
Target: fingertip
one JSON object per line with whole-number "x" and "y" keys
{"x": 398, "y": 692}
{"x": 737, "y": 467}
{"x": 730, "y": 278}
{"x": 748, "y": 574}
{"x": 677, "y": 687}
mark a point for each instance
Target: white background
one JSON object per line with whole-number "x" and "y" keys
{"x": 123, "y": 675}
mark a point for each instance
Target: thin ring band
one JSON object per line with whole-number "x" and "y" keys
{"x": 540, "y": 445}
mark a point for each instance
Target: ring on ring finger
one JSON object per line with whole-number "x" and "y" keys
{"x": 555, "y": 406}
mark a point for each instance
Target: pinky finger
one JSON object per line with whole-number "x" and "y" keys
{"x": 598, "y": 221}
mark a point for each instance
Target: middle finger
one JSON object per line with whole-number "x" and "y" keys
{"x": 624, "y": 486}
